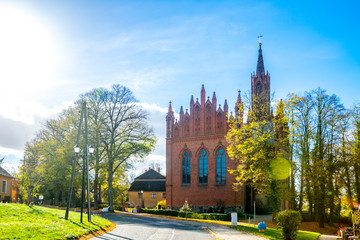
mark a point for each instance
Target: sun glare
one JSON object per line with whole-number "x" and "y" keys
{"x": 28, "y": 52}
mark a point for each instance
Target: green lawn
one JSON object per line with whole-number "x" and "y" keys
{"x": 19, "y": 221}
{"x": 272, "y": 233}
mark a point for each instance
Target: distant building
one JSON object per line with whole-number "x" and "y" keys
{"x": 7, "y": 192}
{"x": 147, "y": 189}
{"x": 197, "y": 162}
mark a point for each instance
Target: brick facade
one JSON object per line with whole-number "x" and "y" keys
{"x": 197, "y": 137}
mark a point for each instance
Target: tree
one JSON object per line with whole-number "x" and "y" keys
{"x": 299, "y": 109}
{"x": 326, "y": 109}
{"x": 317, "y": 123}
{"x": 259, "y": 162}
{"x": 356, "y": 149}
{"x": 124, "y": 133}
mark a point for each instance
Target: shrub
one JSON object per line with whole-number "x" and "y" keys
{"x": 216, "y": 216}
{"x": 289, "y": 222}
{"x": 167, "y": 212}
{"x": 161, "y": 204}
{"x": 189, "y": 214}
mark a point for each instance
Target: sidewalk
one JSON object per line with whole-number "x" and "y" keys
{"x": 226, "y": 233}
{"x": 327, "y": 237}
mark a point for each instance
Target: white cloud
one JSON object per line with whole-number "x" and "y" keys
{"x": 10, "y": 151}
{"x": 157, "y": 116}
{"x": 11, "y": 168}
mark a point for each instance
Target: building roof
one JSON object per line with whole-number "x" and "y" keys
{"x": 150, "y": 181}
{"x": 150, "y": 174}
{"x": 4, "y": 173}
{"x": 148, "y": 186}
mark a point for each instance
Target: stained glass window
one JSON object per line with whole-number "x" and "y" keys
{"x": 203, "y": 168}
{"x": 186, "y": 168}
{"x": 220, "y": 166}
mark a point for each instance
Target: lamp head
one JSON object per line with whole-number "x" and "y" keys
{"x": 76, "y": 149}
{"x": 91, "y": 149}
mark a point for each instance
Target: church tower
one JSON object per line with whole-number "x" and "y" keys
{"x": 260, "y": 88}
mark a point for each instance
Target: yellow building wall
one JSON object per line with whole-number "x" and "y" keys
{"x": 8, "y": 187}
{"x": 147, "y": 201}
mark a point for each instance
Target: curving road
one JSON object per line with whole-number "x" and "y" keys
{"x": 132, "y": 227}
{"x": 137, "y": 227}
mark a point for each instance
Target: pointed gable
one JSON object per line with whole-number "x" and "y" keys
{"x": 4, "y": 173}
{"x": 150, "y": 181}
{"x": 150, "y": 174}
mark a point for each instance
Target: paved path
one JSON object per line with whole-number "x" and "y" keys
{"x": 134, "y": 227}
{"x": 327, "y": 237}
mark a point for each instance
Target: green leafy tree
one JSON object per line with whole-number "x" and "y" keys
{"x": 260, "y": 153}
{"x": 125, "y": 134}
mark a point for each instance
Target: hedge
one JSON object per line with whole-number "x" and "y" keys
{"x": 207, "y": 216}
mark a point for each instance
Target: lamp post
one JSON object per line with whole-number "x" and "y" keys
{"x": 76, "y": 150}
{"x": 85, "y": 163}
{"x": 91, "y": 151}
{"x": 339, "y": 209}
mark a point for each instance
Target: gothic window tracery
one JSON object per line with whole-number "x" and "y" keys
{"x": 219, "y": 122}
{"x": 203, "y": 168}
{"x": 186, "y": 126}
{"x": 186, "y": 168}
{"x": 208, "y": 119}
{"x": 220, "y": 166}
{"x": 197, "y": 120}
{"x": 176, "y": 131}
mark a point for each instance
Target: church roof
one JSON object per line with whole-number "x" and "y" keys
{"x": 4, "y": 173}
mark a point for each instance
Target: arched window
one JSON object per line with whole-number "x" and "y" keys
{"x": 220, "y": 166}
{"x": 203, "y": 169}
{"x": 186, "y": 168}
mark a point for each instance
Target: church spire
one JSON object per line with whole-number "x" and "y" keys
{"x": 170, "y": 111}
{"x": 170, "y": 122}
{"x": 260, "y": 70}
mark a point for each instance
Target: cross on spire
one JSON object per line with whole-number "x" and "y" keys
{"x": 260, "y": 36}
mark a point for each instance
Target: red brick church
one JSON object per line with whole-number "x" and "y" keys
{"x": 196, "y": 157}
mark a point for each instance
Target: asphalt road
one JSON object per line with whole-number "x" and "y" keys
{"x": 144, "y": 227}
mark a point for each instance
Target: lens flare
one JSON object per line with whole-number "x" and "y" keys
{"x": 280, "y": 168}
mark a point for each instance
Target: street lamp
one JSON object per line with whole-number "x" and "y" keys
{"x": 76, "y": 150}
{"x": 339, "y": 209}
{"x": 85, "y": 163}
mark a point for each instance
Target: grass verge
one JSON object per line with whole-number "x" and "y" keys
{"x": 19, "y": 221}
{"x": 272, "y": 233}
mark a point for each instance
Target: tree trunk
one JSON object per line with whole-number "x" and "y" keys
{"x": 96, "y": 185}
{"x": 331, "y": 199}
{"x": 357, "y": 181}
{"x": 100, "y": 194}
{"x": 301, "y": 190}
{"x": 110, "y": 187}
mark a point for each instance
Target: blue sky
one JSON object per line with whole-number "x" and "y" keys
{"x": 52, "y": 51}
